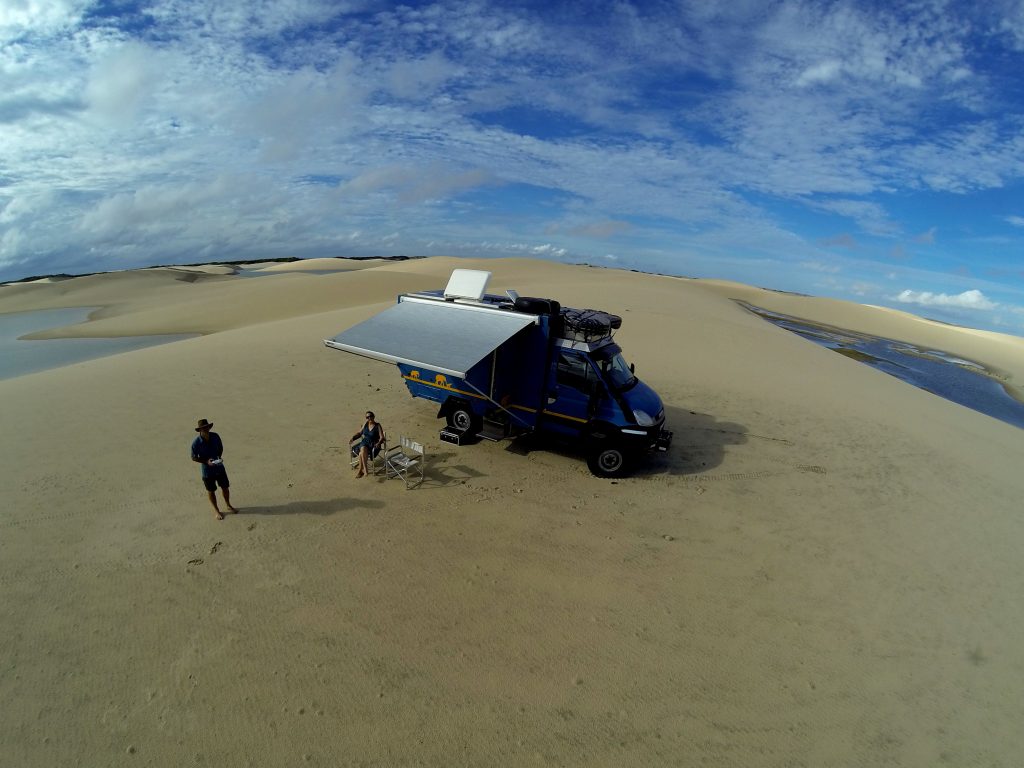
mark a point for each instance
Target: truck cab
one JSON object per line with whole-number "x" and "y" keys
{"x": 595, "y": 398}
{"x": 598, "y": 400}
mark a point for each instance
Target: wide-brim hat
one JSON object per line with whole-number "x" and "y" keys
{"x": 204, "y": 424}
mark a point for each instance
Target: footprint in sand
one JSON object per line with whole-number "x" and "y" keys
{"x": 197, "y": 561}
{"x": 215, "y": 547}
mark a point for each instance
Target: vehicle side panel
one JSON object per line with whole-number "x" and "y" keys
{"x": 431, "y": 385}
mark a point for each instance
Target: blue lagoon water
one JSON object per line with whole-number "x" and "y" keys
{"x": 954, "y": 378}
{"x": 18, "y": 357}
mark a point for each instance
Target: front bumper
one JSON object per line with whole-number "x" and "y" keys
{"x": 655, "y": 438}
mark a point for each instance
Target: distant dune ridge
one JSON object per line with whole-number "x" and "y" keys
{"x": 824, "y": 570}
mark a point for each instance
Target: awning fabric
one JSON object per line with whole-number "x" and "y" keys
{"x": 447, "y": 338}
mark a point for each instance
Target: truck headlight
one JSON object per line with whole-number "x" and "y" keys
{"x": 643, "y": 418}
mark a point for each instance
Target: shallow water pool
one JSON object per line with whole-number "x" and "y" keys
{"x": 963, "y": 381}
{"x": 19, "y": 357}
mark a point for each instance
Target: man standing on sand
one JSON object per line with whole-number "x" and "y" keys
{"x": 207, "y": 450}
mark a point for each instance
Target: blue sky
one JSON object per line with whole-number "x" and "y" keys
{"x": 867, "y": 151}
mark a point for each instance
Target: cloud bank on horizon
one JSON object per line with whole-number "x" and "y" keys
{"x": 844, "y": 149}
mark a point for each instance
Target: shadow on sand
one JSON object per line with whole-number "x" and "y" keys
{"x": 698, "y": 444}
{"x": 328, "y": 507}
{"x": 437, "y": 473}
{"x": 440, "y": 474}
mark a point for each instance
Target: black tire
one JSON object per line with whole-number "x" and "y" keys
{"x": 463, "y": 419}
{"x": 608, "y": 460}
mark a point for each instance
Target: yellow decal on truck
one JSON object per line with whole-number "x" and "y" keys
{"x": 440, "y": 382}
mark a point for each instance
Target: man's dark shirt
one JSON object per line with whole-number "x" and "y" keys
{"x": 204, "y": 450}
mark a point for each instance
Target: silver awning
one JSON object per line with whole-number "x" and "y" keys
{"x": 449, "y": 338}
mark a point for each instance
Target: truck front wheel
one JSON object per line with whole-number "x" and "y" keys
{"x": 464, "y": 420}
{"x": 607, "y": 460}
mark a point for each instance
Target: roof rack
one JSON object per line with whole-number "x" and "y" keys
{"x": 588, "y": 324}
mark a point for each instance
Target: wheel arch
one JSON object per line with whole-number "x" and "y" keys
{"x": 453, "y": 403}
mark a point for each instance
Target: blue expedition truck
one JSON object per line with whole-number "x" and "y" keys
{"x": 502, "y": 366}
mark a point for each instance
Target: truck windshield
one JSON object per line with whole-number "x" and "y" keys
{"x": 615, "y": 371}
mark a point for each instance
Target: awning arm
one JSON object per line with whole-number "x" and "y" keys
{"x": 386, "y": 358}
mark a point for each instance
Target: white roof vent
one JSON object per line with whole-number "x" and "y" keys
{"x": 467, "y": 284}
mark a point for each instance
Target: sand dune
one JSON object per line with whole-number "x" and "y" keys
{"x": 314, "y": 265}
{"x": 823, "y": 570}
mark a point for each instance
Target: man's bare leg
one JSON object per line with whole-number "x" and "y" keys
{"x": 227, "y": 500}
{"x": 213, "y": 500}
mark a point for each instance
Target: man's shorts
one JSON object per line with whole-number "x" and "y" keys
{"x": 217, "y": 476}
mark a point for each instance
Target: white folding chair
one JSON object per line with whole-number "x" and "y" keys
{"x": 376, "y": 462}
{"x": 405, "y": 461}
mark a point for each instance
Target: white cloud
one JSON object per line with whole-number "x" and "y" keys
{"x": 844, "y": 240}
{"x": 547, "y": 249}
{"x": 10, "y": 245}
{"x": 36, "y": 16}
{"x": 817, "y": 266}
{"x": 1017, "y": 221}
{"x": 822, "y": 72}
{"x": 255, "y": 18}
{"x": 862, "y": 289}
{"x": 600, "y": 229}
{"x": 543, "y": 250}
{"x": 870, "y": 216}
{"x": 152, "y": 206}
{"x": 1013, "y": 23}
{"x": 420, "y": 78}
{"x": 25, "y": 206}
{"x": 120, "y": 81}
{"x": 291, "y": 115}
{"x": 417, "y": 184}
{"x": 972, "y": 299}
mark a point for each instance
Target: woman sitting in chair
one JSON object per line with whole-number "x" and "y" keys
{"x": 371, "y": 439}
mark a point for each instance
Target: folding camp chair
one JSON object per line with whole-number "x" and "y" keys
{"x": 405, "y": 461}
{"x": 377, "y": 454}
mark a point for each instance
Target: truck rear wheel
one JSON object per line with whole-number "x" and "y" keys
{"x": 608, "y": 460}
{"x": 464, "y": 420}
